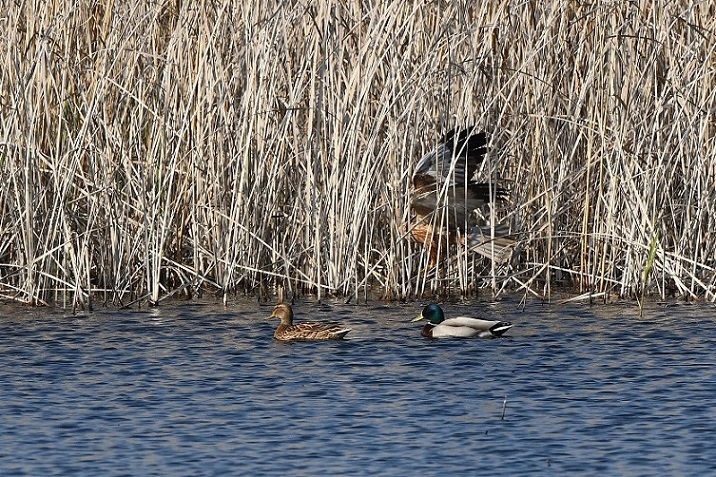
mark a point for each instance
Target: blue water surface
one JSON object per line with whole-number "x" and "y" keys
{"x": 200, "y": 389}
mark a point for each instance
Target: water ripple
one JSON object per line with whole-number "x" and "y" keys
{"x": 203, "y": 390}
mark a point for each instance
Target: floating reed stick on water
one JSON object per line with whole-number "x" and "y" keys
{"x": 147, "y": 147}
{"x": 504, "y": 408}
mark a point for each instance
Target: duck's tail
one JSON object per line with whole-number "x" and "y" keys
{"x": 499, "y": 328}
{"x": 339, "y": 334}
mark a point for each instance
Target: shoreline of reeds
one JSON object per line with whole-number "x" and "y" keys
{"x": 149, "y": 149}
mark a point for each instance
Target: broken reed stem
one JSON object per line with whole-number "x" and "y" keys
{"x": 147, "y": 147}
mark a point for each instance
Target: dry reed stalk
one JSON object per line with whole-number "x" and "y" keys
{"x": 149, "y": 148}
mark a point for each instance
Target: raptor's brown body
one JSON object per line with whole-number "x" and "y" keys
{"x": 445, "y": 194}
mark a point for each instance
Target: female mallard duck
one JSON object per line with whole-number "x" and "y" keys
{"x": 287, "y": 331}
{"x": 459, "y": 327}
{"x": 445, "y": 196}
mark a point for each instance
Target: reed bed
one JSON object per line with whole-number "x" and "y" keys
{"x": 150, "y": 148}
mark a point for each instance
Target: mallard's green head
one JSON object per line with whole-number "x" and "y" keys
{"x": 432, "y": 313}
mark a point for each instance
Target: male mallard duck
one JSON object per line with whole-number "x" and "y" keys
{"x": 287, "y": 331}
{"x": 458, "y": 327}
{"x": 445, "y": 195}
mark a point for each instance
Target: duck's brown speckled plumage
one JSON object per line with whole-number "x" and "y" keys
{"x": 306, "y": 331}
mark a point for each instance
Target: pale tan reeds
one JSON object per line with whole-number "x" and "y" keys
{"x": 150, "y": 148}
